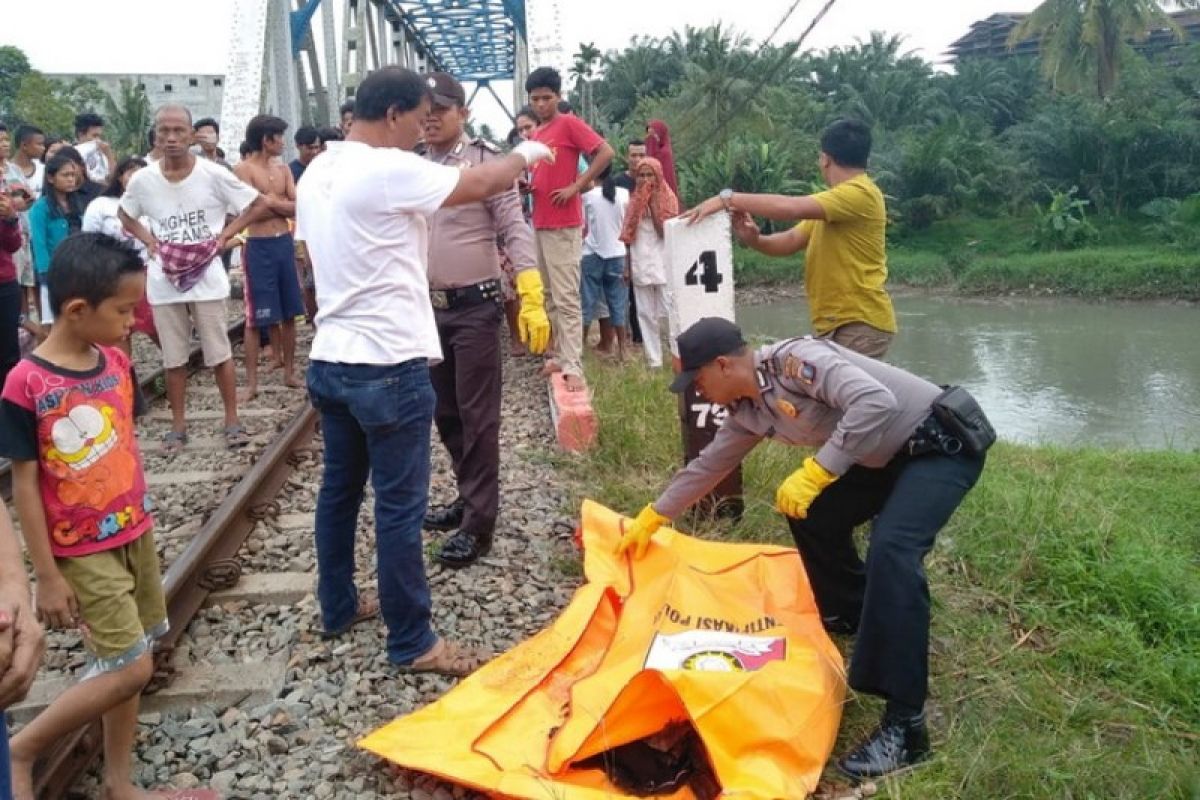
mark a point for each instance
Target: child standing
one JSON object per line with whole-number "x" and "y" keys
{"x": 652, "y": 205}
{"x": 66, "y": 422}
{"x": 604, "y": 254}
{"x": 56, "y": 215}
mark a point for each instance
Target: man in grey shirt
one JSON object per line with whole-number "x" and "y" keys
{"x": 883, "y": 456}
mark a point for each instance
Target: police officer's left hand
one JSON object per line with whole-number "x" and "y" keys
{"x": 533, "y": 326}
{"x": 800, "y": 488}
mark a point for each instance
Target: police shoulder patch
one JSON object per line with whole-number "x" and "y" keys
{"x": 791, "y": 367}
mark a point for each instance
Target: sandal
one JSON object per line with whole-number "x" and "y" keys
{"x": 174, "y": 441}
{"x": 235, "y": 436}
{"x": 446, "y": 658}
{"x": 368, "y": 608}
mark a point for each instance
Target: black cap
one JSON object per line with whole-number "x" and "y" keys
{"x": 704, "y": 341}
{"x": 446, "y": 90}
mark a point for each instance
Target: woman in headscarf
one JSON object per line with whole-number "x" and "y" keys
{"x": 658, "y": 145}
{"x": 652, "y": 204}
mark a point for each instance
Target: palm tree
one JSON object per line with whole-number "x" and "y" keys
{"x": 127, "y": 118}
{"x": 1084, "y": 41}
{"x": 583, "y": 70}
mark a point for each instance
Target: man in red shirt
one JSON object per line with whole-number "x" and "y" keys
{"x": 558, "y": 213}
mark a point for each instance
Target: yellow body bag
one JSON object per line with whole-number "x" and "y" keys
{"x": 721, "y": 639}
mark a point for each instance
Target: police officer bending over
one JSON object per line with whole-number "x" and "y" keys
{"x": 893, "y": 448}
{"x": 464, "y": 283}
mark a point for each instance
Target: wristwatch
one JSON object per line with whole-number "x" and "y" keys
{"x": 726, "y": 196}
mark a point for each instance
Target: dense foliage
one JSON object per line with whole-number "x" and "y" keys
{"x": 994, "y": 136}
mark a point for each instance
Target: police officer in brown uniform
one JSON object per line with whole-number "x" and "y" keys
{"x": 895, "y": 450}
{"x": 465, "y": 290}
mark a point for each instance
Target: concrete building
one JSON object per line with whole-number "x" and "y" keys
{"x": 200, "y": 93}
{"x": 988, "y": 38}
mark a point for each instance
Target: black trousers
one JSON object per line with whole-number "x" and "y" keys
{"x": 910, "y": 500}
{"x": 467, "y": 414}
{"x": 10, "y": 342}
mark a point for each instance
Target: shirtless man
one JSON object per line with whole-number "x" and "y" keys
{"x": 273, "y": 298}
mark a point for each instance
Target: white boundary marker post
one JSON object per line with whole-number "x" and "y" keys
{"x": 700, "y": 274}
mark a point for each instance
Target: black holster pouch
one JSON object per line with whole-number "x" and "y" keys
{"x": 961, "y": 417}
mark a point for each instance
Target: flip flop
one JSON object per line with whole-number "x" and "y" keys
{"x": 446, "y": 658}
{"x": 174, "y": 441}
{"x": 235, "y": 436}
{"x": 368, "y": 608}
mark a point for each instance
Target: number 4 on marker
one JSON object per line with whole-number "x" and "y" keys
{"x": 711, "y": 278}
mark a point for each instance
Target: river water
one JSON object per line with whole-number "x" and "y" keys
{"x": 1047, "y": 371}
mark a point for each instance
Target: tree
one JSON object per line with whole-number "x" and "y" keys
{"x": 14, "y": 66}
{"x": 644, "y": 69}
{"x": 1085, "y": 41}
{"x": 127, "y": 117}
{"x": 582, "y": 71}
{"x": 40, "y": 103}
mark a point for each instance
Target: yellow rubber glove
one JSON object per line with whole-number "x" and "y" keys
{"x": 638, "y": 533}
{"x": 533, "y": 326}
{"x": 797, "y": 493}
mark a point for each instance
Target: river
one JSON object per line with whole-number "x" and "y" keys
{"x": 1047, "y": 371}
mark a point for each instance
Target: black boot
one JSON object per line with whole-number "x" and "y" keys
{"x": 897, "y": 743}
{"x": 446, "y": 518}
{"x": 462, "y": 549}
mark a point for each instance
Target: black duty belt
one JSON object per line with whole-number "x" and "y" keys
{"x": 466, "y": 296}
{"x": 931, "y": 437}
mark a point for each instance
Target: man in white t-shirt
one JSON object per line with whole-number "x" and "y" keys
{"x": 363, "y": 209}
{"x": 185, "y": 199}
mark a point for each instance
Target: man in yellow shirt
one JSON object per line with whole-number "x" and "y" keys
{"x": 842, "y": 232}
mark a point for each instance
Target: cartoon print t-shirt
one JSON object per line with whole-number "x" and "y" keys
{"x": 78, "y": 426}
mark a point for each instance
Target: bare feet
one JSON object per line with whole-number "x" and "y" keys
{"x": 574, "y": 383}
{"x": 516, "y": 349}
{"x": 291, "y": 381}
{"x": 550, "y": 367}
{"x": 248, "y": 394}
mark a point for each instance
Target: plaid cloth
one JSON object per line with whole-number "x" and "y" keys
{"x": 184, "y": 263}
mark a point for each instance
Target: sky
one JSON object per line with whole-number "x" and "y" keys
{"x": 197, "y": 42}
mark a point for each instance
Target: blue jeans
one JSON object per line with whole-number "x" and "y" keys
{"x": 376, "y": 421}
{"x": 5, "y": 766}
{"x": 604, "y": 276}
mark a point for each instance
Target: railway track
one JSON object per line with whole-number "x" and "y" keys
{"x": 216, "y": 499}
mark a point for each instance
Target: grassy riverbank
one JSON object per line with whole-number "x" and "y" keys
{"x": 1066, "y": 635}
{"x": 995, "y": 256}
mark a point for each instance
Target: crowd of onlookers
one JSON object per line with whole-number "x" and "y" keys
{"x": 97, "y": 244}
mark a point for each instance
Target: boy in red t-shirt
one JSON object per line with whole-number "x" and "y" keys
{"x": 66, "y": 422}
{"x": 558, "y": 213}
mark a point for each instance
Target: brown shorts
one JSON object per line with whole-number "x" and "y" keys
{"x": 175, "y": 322}
{"x": 121, "y": 602}
{"x": 861, "y": 338}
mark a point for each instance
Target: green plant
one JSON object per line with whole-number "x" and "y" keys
{"x": 1175, "y": 221}
{"x": 746, "y": 165}
{"x": 1063, "y": 224}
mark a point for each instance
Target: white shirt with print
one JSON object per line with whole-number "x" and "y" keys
{"x": 190, "y": 210}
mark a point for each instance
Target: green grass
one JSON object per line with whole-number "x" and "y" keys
{"x": 994, "y": 256}
{"x": 1066, "y": 633}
